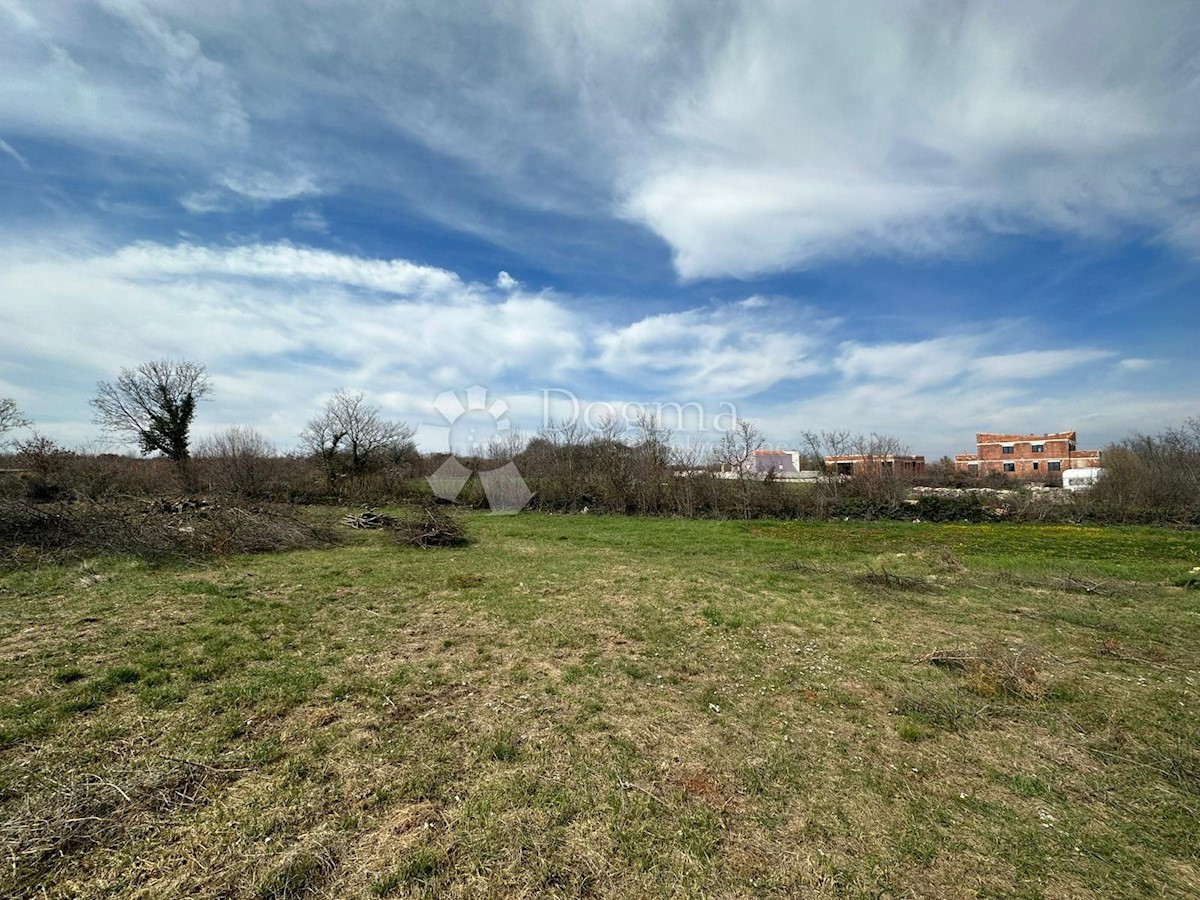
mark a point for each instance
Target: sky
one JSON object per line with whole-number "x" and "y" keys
{"x": 919, "y": 219}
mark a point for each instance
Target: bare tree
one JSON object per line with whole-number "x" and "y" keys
{"x": 735, "y": 451}
{"x": 690, "y": 476}
{"x": 154, "y": 404}
{"x": 1154, "y": 474}
{"x": 823, "y": 444}
{"x": 650, "y": 462}
{"x": 506, "y": 446}
{"x": 611, "y": 429}
{"x": 736, "y": 448}
{"x": 351, "y": 437}
{"x": 240, "y": 459}
{"x": 11, "y": 417}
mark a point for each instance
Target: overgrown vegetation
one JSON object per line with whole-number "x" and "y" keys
{"x": 34, "y": 534}
{"x": 610, "y": 706}
{"x": 1153, "y": 477}
{"x": 349, "y": 453}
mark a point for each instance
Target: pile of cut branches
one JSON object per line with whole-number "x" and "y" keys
{"x": 157, "y": 530}
{"x": 996, "y": 668}
{"x": 370, "y": 519}
{"x": 429, "y": 526}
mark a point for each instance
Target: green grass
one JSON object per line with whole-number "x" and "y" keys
{"x": 594, "y": 706}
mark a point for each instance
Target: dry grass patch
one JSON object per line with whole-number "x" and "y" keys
{"x": 69, "y": 814}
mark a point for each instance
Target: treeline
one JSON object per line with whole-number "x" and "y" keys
{"x": 349, "y": 453}
{"x": 1149, "y": 479}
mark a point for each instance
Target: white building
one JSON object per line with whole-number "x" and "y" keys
{"x": 1080, "y": 479}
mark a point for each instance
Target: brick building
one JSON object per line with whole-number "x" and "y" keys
{"x": 1026, "y": 455}
{"x": 858, "y": 463}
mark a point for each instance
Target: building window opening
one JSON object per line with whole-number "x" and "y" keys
{"x": 1008, "y": 448}
{"x": 1010, "y": 467}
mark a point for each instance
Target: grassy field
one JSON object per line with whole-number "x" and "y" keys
{"x": 612, "y": 707}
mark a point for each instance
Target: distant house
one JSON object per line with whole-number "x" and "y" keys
{"x": 1026, "y": 455}
{"x": 780, "y": 464}
{"x": 784, "y": 463}
{"x": 861, "y": 463}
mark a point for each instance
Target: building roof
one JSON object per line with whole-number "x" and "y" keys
{"x": 883, "y": 457}
{"x": 989, "y": 438}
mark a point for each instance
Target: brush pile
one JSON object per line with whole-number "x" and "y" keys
{"x": 370, "y": 519}
{"x": 429, "y": 526}
{"x": 157, "y": 530}
{"x": 996, "y": 668}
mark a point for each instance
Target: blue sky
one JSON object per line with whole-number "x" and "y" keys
{"x": 924, "y": 219}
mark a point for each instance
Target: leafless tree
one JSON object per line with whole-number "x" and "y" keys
{"x": 505, "y": 446}
{"x": 691, "y": 480}
{"x": 239, "y": 459}
{"x": 650, "y": 463}
{"x": 734, "y": 453}
{"x": 736, "y": 448}
{"x": 653, "y": 441}
{"x": 610, "y": 429}
{"x": 564, "y": 433}
{"x": 154, "y": 404}
{"x": 1154, "y": 474}
{"x": 823, "y": 444}
{"x": 10, "y": 416}
{"x": 351, "y": 437}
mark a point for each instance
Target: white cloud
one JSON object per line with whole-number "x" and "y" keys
{"x": 918, "y": 363}
{"x": 1136, "y": 364}
{"x": 1035, "y": 363}
{"x": 751, "y": 137}
{"x": 729, "y": 351}
{"x": 265, "y": 185}
{"x": 937, "y": 361}
{"x": 281, "y": 326}
{"x": 116, "y": 75}
{"x": 6, "y": 147}
{"x": 827, "y": 130}
{"x": 282, "y": 262}
{"x": 279, "y": 323}
{"x": 310, "y": 220}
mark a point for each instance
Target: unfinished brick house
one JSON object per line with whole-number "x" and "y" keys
{"x": 1026, "y": 455}
{"x": 859, "y": 463}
